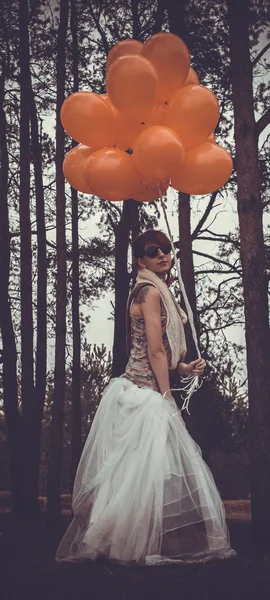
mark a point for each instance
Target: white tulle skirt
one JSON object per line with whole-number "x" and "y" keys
{"x": 143, "y": 493}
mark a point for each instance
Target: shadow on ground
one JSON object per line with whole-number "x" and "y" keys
{"x": 29, "y": 571}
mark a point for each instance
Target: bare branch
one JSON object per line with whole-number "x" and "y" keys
{"x": 261, "y": 53}
{"x": 205, "y": 215}
{"x": 220, "y": 261}
{"x": 212, "y": 304}
{"x": 229, "y": 324}
{"x": 51, "y": 244}
{"x": 99, "y": 28}
{"x": 112, "y": 222}
{"x": 212, "y": 271}
{"x": 219, "y": 238}
{"x": 262, "y": 123}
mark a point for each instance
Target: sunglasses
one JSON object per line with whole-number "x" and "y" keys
{"x": 152, "y": 251}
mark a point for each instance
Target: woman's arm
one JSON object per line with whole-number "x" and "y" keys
{"x": 151, "y": 311}
{"x": 195, "y": 367}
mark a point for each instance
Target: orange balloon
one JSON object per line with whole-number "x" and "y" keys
{"x": 158, "y": 154}
{"x": 170, "y": 57}
{"x": 106, "y": 99}
{"x": 73, "y": 167}
{"x": 211, "y": 138}
{"x": 150, "y": 194}
{"x": 193, "y": 113}
{"x": 87, "y": 119}
{"x": 157, "y": 115}
{"x": 206, "y": 168}
{"x": 127, "y": 130}
{"x": 123, "y": 49}
{"x": 192, "y": 78}
{"x": 132, "y": 86}
{"x": 127, "y": 133}
{"x": 111, "y": 174}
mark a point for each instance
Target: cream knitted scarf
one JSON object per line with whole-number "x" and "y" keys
{"x": 176, "y": 317}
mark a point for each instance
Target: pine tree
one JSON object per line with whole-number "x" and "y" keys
{"x": 253, "y": 262}
{"x": 54, "y": 474}
{"x": 8, "y": 349}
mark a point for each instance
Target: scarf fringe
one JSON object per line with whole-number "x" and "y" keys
{"x": 188, "y": 386}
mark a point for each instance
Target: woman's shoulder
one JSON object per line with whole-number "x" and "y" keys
{"x": 143, "y": 291}
{"x": 140, "y": 298}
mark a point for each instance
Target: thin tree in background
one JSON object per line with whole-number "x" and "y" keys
{"x": 30, "y": 488}
{"x": 41, "y": 310}
{"x": 129, "y": 222}
{"x": 177, "y": 18}
{"x": 253, "y": 263}
{"x": 122, "y": 279}
{"x": 76, "y": 335}
{"x": 8, "y": 350}
{"x": 187, "y": 265}
{"x": 56, "y": 440}
{"x": 121, "y": 290}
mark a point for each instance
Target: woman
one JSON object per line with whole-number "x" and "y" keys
{"x": 142, "y": 492}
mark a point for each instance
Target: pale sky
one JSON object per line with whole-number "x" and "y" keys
{"x": 100, "y": 329}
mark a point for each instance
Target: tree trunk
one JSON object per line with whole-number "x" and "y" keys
{"x": 27, "y": 391}
{"x": 135, "y": 230}
{"x": 159, "y": 17}
{"x": 195, "y": 422}
{"x": 176, "y": 16}
{"x": 134, "y": 219}
{"x": 56, "y": 439}
{"x": 121, "y": 291}
{"x": 178, "y": 26}
{"x": 187, "y": 268}
{"x": 41, "y": 348}
{"x": 129, "y": 222}
{"x": 76, "y": 338}
{"x": 9, "y": 353}
{"x": 253, "y": 263}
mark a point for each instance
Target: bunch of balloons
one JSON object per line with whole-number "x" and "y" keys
{"x": 153, "y": 127}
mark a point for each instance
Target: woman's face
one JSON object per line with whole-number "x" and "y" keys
{"x": 159, "y": 264}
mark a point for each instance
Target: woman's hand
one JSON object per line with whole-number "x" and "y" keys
{"x": 194, "y": 368}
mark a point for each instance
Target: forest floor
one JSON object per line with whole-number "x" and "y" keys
{"x": 29, "y": 571}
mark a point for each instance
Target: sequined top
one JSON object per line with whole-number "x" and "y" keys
{"x": 138, "y": 369}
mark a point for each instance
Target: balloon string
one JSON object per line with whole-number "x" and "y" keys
{"x": 181, "y": 283}
{"x": 190, "y": 384}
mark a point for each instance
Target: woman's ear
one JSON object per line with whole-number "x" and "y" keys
{"x": 140, "y": 263}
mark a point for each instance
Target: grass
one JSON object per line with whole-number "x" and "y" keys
{"x": 29, "y": 571}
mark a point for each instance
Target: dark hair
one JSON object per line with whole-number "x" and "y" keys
{"x": 151, "y": 236}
